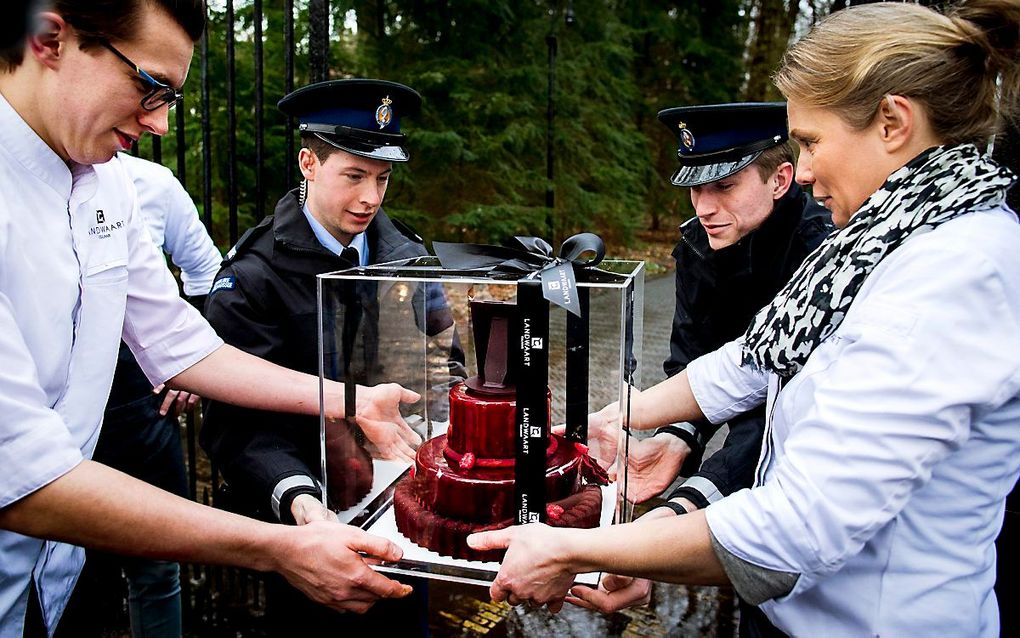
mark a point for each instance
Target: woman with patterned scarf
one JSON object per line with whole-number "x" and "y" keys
{"x": 889, "y": 365}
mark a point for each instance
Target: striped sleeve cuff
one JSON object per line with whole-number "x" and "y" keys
{"x": 287, "y": 484}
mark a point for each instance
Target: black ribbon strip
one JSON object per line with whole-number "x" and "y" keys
{"x": 351, "y": 323}
{"x": 578, "y": 337}
{"x": 527, "y": 256}
{"x": 532, "y": 360}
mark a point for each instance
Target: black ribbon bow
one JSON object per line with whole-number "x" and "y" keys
{"x": 529, "y": 256}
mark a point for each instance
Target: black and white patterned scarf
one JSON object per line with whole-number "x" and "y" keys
{"x": 938, "y": 185}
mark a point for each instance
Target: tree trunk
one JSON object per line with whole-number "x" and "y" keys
{"x": 773, "y": 24}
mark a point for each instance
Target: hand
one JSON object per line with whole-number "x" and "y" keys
{"x": 306, "y": 508}
{"x": 603, "y": 439}
{"x": 378, "y": 415}
{"x": 179, "y": 400}
{"x": 652, "y": 464}
{"x": 321, "y": 559}
{"x": 613, "y": 594}
{"x": 534, "y": 569}
{"x": 611, "y": 416}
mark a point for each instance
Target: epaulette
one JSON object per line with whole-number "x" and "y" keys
{"x": 407, "y": 231}
{"x": 247, "y": 238}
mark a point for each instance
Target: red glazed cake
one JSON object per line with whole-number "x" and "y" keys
{"x": 463, "y": 481}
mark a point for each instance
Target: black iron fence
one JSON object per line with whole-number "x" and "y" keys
{"x": 217, "y": 600}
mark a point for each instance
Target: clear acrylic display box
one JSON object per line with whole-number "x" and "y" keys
{"x": 410, "y": 323}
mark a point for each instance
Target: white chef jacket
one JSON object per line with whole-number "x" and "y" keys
{"x": 887, "y": 459}
{"x": 77, "y": 272}
{"x": 173, "y": 223}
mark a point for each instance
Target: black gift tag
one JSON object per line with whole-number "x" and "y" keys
{"x": 559, "y": 286}
{"x": 531, "y": 354}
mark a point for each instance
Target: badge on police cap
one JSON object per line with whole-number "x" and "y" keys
{"x": 384, "y": 114}
{"x": 686, "y": 137}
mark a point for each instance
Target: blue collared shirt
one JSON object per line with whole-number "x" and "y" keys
{"x": 331, "y": 243}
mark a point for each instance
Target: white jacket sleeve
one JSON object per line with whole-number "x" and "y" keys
{"x": 173, "y": 222}
{"x": 187, "y": 241}
{"x": 722, "y": 387}
{"x": 35, "y": 446}
{"x": 165, "y": 333}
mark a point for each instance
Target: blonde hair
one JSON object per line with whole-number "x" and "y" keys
{"x": 949, "y": 63}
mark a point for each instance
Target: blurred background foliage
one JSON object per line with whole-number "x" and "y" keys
{"x": 479, "y": 149}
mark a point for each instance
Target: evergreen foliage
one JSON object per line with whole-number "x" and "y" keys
{"x": 478, "y": 169}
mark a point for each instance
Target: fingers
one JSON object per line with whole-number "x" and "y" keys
{"x": 410, "y": 437}
{"x": 573, "y": 597}
{"x": 612, "y": 582}
{"x": 406, "y": 452}
{"x": 181, "y": 404}
{"x": 372, "y": 545}
{"x": 401, "y": 451}
{"x": 307, "y": 509}
{"x": 383, "y": 587}
{"x": 388, "y": 438}
{"x": 498, "y": 594}
{"x": 168, "y": 402}
{"x": 635, "y": 592}
{"x": 496, "y": 539}
{"x": 396, "y": 449}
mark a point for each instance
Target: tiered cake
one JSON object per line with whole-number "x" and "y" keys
{"x": 463, "y": 481}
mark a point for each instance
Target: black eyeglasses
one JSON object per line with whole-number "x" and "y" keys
{"x": 159, "y": 93}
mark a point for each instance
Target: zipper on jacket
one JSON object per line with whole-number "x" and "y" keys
{"x": 683, "y": 237}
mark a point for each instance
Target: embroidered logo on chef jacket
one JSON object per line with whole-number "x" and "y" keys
{"x": 102, "y": 230}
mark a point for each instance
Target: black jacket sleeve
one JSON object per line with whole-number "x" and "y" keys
{"x": 687, "y": 340}
{"x": 254, "y": 449}
{"x": 732, "y": 467}
{"x": 685, "y": 343}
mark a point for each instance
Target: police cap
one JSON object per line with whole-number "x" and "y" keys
{"x": 717, "y": 140}
{"x": 359, "y": 116}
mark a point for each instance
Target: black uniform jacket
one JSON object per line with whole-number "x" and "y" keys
{"x": 264, "y": 301}
{"x": 717, "y": 295}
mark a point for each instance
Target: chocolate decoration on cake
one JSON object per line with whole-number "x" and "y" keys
{"x": 491, "y": 323}
{"x": 463, "y": 481}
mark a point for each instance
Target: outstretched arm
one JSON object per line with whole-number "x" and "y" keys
{"x": 234, "y": 376}
{"x": 541, "y": 562}
{"x": 666, "y": 402}
{"x": 95, "y": 506}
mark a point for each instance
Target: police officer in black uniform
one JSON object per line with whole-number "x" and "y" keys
{"x": 264, "y": 301}
{"x": 754, "y": 227}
